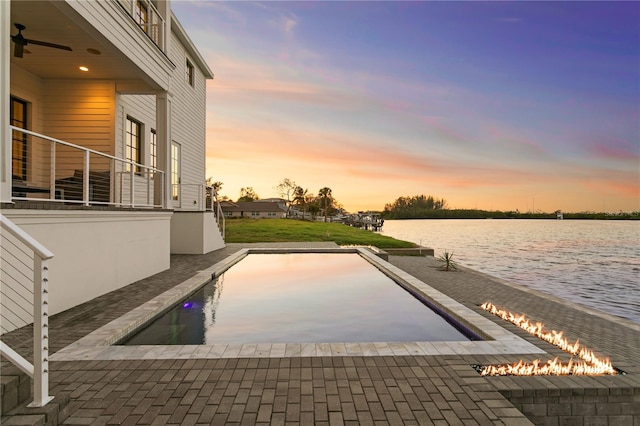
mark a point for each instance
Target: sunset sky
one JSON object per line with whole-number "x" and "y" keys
{"x": 489, "y": 105}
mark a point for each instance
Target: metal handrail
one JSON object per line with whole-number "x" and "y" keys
{"x": 39, "y": 370}
{"x": 92, "y": 151}
{"x": 219, "y": 214}
{"x": 187, "y": 190}
{"x": 133, "y": 167}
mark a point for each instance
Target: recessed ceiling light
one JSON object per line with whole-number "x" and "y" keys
{"x": 83, "y": 68}
{"x": 94, "y": 51}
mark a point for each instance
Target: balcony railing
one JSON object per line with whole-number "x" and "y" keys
{"x": 24, "y": 300}
{"x": 189, "y": 196}
{"x": 62, "y": 172}
{"x": 147, "y": 17}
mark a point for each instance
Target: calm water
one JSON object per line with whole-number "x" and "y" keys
{"x": 299, "y": 298}
{"x": 594, "y": 262}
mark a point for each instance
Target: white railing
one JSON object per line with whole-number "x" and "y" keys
{"x": 217, "y": 210}
{"x": 64, "y": 172}
{"x": 147, "y": 17}
{"x": 13, "y": 289}
{"x": 189, "y": 196}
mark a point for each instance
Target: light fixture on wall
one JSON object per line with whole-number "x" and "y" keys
{"x": 83, "y": 68}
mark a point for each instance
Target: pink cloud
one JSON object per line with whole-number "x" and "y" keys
{"x": 613, "y": 148}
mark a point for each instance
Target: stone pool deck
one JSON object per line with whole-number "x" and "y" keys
{"x": 396, "y": 389}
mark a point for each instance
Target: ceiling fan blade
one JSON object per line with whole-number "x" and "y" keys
{"x": 18, "y": 50}
{"x": 47, "y": 44}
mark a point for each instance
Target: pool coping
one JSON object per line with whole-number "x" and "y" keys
{"x": 98, "y": 345}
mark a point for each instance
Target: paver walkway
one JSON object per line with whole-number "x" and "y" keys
{"x": 346, "y": 390}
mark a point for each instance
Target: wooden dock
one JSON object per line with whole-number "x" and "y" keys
{"x": 365, "y": 220}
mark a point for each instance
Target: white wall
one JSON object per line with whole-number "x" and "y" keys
{"x": 80, "y": 112}
{"x": 141, "y": 108}
{"x": 189, "y": 118}
{"x": 96, "y": 251}
{"x": 109, "y": 20}
{"x": 195, "y": 233}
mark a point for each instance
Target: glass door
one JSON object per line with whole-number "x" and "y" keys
{"x": 175, "y": 174}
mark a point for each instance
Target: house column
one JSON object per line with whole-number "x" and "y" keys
{"x": 5, "y": 94}
{"x": 163, "y": 135}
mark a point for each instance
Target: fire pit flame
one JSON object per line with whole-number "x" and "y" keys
{"x": 590, "y": 364}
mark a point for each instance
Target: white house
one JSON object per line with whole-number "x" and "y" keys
{"x": 104, "y": 161}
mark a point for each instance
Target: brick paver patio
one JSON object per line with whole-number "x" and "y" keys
{"x": 356, "y": 390}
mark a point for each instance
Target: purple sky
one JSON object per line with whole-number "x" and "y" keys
{"x": 491, "y": 105}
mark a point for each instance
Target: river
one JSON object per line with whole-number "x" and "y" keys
{"x": 592, "y": 262}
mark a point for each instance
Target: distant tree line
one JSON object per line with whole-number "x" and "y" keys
{"x": 429, "y": 207}
{"x": 416, "y": 207}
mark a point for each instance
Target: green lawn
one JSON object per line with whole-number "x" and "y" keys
{"x": 290, "y": 230}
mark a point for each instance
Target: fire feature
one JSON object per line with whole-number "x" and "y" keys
{"x": 589, "y": 363}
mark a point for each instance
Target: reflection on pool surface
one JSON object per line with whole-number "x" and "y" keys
{"x": 298, "y": 298}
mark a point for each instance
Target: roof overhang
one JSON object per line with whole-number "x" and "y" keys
{"x": 70, "y": 24}
{"x": 176, "y": 27}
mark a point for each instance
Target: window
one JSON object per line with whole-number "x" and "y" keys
{"x": 189, "y": 75}
{"x": 153, "y": 150}
{"x": 132, "y": 142}
{"x": 255, "y": 213}
{"x": 141, "y": 15}
{"x": 19, "y": 140}
{"x": 175, "y": 171}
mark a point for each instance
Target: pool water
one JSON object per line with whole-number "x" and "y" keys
{"x": 298, "y": 298}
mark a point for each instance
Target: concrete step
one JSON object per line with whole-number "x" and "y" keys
{"x": 35, "y": 420}
{"x": 15, "y": 395}
{"x": 15, "y": 388}
{"x": 52, "y": 414}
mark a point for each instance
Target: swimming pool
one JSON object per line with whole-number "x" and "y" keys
{"x": 300, "y": 298}
{"x": 101, "y": 344}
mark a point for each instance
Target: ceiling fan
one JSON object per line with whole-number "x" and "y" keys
{"x": 21, "y": 42}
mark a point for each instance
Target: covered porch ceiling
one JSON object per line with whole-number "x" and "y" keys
{"x": 57, "y": 22}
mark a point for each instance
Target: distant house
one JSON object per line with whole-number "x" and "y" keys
{"x": 259, "y": 209}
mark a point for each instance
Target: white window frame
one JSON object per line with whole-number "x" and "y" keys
{"x": 190, "y": 73}
{"x": 175, "y": 171}
{"x": 153, "y": 149}
{"x": 129, "y": 138}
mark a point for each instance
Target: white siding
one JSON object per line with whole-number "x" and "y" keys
{"x": 189, "y": 117}
{"x": 141, "y": 108}
{"x": 188, "y": 126}
{"x": 80, "y": 112}
{"x": 114, "y": 23}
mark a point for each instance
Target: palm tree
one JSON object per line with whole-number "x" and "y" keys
{"x": 326, "y": 200}
{"x": 300, "y": 198}
{"x": 212, "y": 190}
